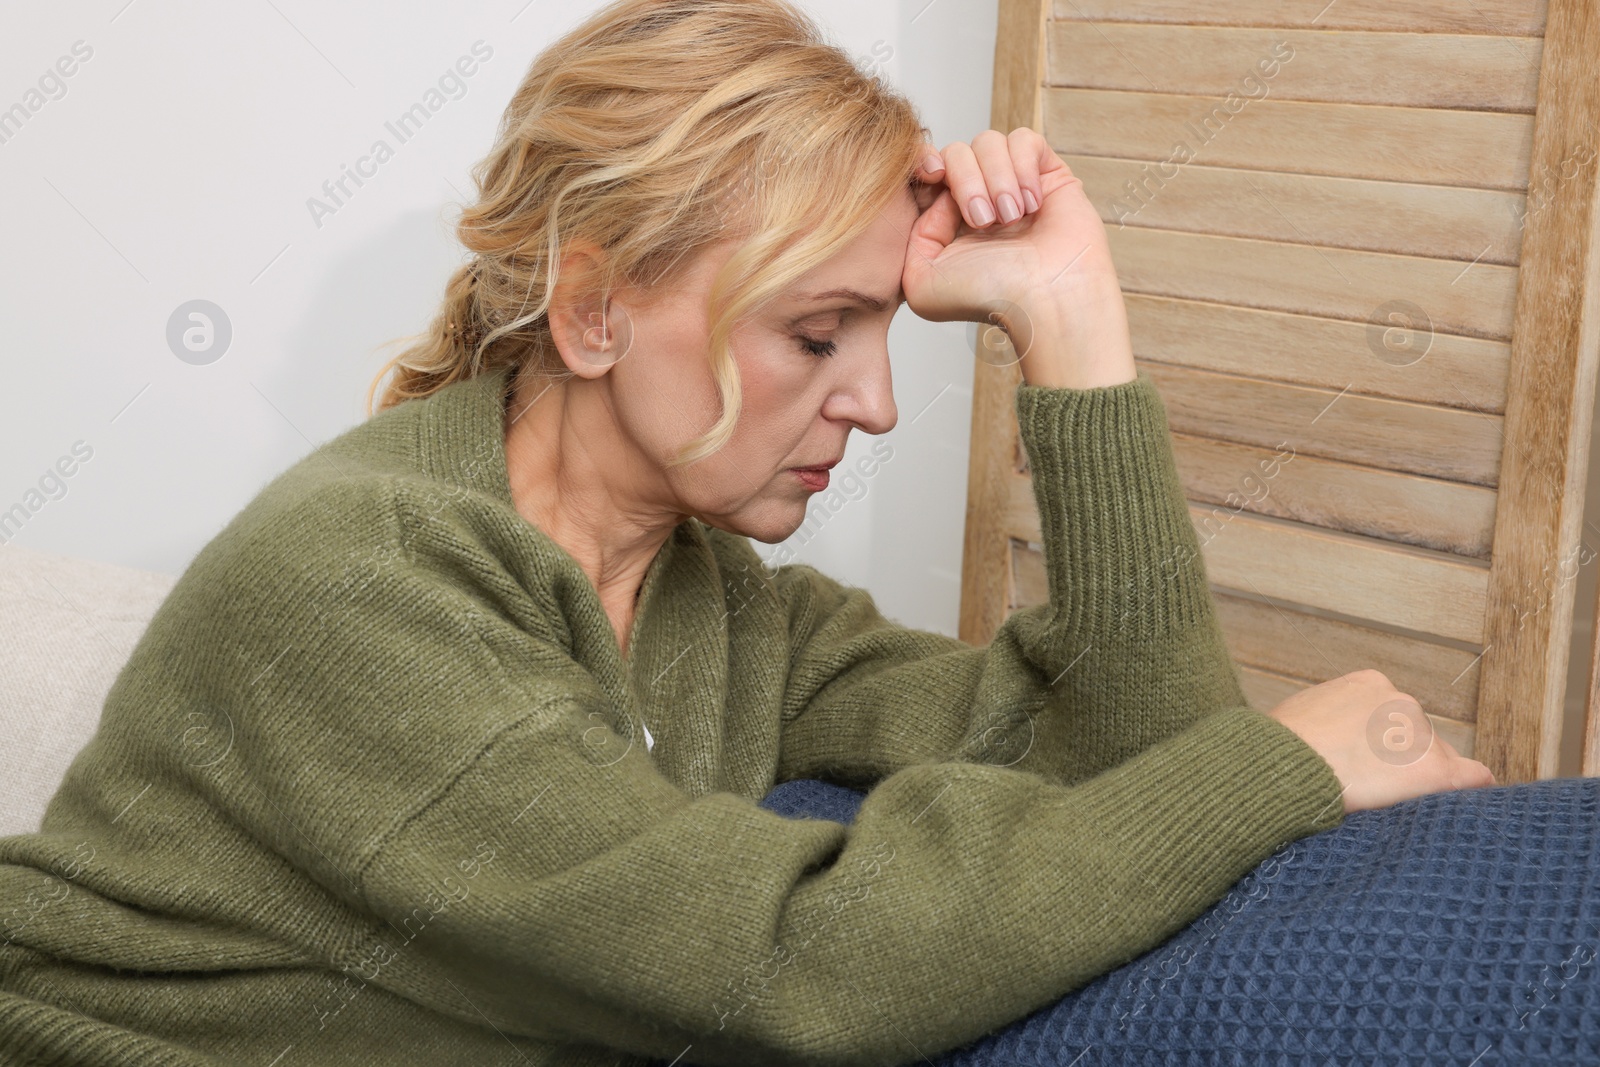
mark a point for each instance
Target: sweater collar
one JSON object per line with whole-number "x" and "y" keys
{"x": 675, "y": 672}
{"x": 462, "y": 442}
{"x": 462, "y": 437}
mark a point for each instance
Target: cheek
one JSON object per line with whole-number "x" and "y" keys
{"x": 779, "y": 385}
{"x": 768, "y": 437}
{"x": 664, "y": 394}
{"x": 670, "y": 397}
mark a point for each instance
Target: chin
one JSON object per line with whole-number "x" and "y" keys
{"x": 772, "y": 526}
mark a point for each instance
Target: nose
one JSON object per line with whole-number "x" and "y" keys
{"x": 865, "y": 395}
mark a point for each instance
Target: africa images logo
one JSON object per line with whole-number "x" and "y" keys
{"x": 451, "y": 85}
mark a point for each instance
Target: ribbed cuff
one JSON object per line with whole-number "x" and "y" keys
{"x": 1120, "y": 549}
{"x": 1236, "y": 785}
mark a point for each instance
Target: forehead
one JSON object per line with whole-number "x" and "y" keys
{"x": 867, "y": 270}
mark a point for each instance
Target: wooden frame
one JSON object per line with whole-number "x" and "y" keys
{"x": 1435, "y": 521}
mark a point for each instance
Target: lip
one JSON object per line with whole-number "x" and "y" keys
{"x": 813, "y": 478}
{"x": 816, "y": 478}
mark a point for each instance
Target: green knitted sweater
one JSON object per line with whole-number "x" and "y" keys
{"x": 372, "y": 788}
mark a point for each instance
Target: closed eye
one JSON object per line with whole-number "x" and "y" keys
{"x": 817, "y": 348}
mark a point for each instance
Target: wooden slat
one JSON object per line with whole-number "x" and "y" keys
{"x": 1419, "y": 365}
{"x": 1288, "y": 641}
{"x": 1480, "y": 149}
{"x": 1437, "y": 221}
{"x": 1265, "y": 691}
{"x": 1549, "y": 415}
{"x": 1469, "y": 71}
{"x": 1444, "y": 443}
{"x": 1019, "y": 63}
{"x": 1473, "y": 299}
{"x": 1425, "y": 512}
{"x": 1364, "y": 578}
{"x": 1491, "y": 17}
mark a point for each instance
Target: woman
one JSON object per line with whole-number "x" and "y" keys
{"x": 450, "y": 747}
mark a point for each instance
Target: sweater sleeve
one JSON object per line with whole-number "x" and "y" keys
{"x": 1128, "y": 651}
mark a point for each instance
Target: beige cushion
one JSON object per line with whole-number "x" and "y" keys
{"x": 69, "y": 625}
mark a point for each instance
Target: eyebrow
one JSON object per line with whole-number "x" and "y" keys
{"x": 876, "y": 303}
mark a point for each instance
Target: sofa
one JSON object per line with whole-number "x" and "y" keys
{"x": 69, "y": 625}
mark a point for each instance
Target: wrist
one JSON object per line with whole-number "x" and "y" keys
{"x": 1073, "y": 337}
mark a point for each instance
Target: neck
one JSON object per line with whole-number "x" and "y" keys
{"x": 574, "y": 477}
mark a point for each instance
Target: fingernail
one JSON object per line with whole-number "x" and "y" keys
{"x": 932, "y": 163}
{"x": 1009, "y": 212}
{"x": 982, "y": 214}
{"x": 1030, "y": 200}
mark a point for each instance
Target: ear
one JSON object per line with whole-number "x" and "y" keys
{"x": 585, "y": 329}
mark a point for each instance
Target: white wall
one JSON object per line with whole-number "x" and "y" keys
{"x": 175, "y": 164}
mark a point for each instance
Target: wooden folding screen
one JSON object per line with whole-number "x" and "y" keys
{"x": 1361, "y": 233}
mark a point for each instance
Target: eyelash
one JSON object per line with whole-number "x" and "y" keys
{"x": 820, "y": 349}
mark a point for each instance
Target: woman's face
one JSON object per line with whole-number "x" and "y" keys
{"x": 813, "y": 365}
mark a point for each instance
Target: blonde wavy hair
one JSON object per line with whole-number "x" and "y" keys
{"x": 654, "y": 129}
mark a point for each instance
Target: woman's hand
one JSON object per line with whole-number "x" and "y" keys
{"x": 1377, "y": 740}
{"x": 1007, "y": 235}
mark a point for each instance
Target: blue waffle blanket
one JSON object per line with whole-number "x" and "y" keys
{"x": 1456, "y": 928}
